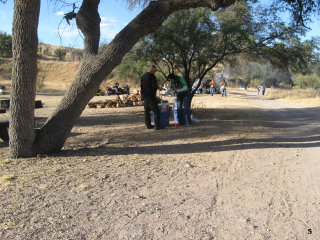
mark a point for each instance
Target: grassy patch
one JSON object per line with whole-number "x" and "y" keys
{"x": 6, "y": 71}
{"x": 83, "y": 187}
{"x": 43, "y": 186}
{"x": 293, "y": 93}
{"x": 6, "y": 161}
{"x": 7, "y": 178}
{"x": 9, "y": 225}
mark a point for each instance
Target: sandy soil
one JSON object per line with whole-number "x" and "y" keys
{"x": 248, "y": 170}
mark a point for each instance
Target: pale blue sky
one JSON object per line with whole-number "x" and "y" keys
{"x": 114, "y": 15}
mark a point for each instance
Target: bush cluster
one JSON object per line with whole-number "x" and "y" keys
{"x": 5, "y": 45}
{"x": 307, "y": 81}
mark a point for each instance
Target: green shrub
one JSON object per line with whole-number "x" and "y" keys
{"x": 307, "y": 81}
{"x": 60, "y": 53}
{"x": 5, "y": 45}
{"x": 6, "y": 72}
{"x": 277, "y": 93}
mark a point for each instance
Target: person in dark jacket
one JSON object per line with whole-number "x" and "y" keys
{"x": 149, "y": 87}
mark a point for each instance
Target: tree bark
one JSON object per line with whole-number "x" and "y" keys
{"x": 24, "y": 75}
{"x": 52, "y": 136}
{"x": 88, "y": 21}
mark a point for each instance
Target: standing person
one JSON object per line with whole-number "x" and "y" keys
{"x": 212, "y": 87}
{"x": 224, "y": 88}
{"x": 149, "y": 88}
{"x": 263, "y": 89}
{"x": 126, "y": 88}
{"x": 258, "y": 88}
{"x": 179, "y": 85}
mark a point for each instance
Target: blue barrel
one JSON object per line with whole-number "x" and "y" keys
{"x": 164, "y": 114}
{"x": 164, "y": 119}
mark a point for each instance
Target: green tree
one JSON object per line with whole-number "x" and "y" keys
{"x": 132, "y": 66}
{"x": 307, "y": 81}
{"x": 24, "y": 141}
{"x": 254, "y": 73}
{"x": 292, "y": 54}
{"x": 192, "y": 42}
{"x": 5, "y": 45}
{"x": 276, "y": 64}
{"x": 60, "y": 53}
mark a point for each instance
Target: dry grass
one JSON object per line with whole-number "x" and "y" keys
{"x": 303, "y": 97}
{"x": 5, "y": 161}
{"x": 6, "y": 180}
{"x": 293, "y": 93}
{"x": 58, "y": 75}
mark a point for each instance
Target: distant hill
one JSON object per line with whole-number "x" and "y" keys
{"x": 53, "y": 75}
{"x": 46, "y": 51}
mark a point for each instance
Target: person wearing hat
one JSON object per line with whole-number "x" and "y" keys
{"x": 212, "y": 87}
{"x": 179, "y": 85}
{"x": 149, "y": 87}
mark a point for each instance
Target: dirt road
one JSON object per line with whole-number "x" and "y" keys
{"x": 248, "y": 170}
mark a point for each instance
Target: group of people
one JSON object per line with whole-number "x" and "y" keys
{"x": 213, "y": 87}
{"x": 223, "y": 87}
{"x": 149, "y": 87}
{"x": 179, "y": 87}
{"x": 261, "y": 88}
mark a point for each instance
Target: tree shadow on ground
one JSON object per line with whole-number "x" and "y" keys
{"x": 108, "y": 119}
{"x": 4, "y": 144}
{"x": 238, "y": 129}
{"x": 212, "y": 146}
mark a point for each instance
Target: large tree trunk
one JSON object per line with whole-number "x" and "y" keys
{"x": 88, "y": 21}
{"x": 24, "y": 74}
{"x": 52, "y": 136}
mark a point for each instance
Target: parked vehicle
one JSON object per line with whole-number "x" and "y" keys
{"x": 100, "y": 92}
{"x": 117, "y": 90}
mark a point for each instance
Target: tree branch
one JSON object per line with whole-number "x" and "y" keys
{"x": 94, "y": 67}
{"x": 88, "y": 21}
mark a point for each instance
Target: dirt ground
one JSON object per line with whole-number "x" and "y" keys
{"x": 249, "y": 169}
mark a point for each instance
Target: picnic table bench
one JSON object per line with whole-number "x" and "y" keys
{"x": 4, "y": 106}
{"x": 4, "y": 131}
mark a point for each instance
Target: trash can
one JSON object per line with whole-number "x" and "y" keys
{"x": 164, "y": 114}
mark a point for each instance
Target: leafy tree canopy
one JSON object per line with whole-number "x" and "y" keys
{"x": 94, "y": 66}
{"x": 5, "y": 45}
{"x": 192, "y": 42}
{"x": 275, "y": 65}
{"x": 60, "y": 53}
